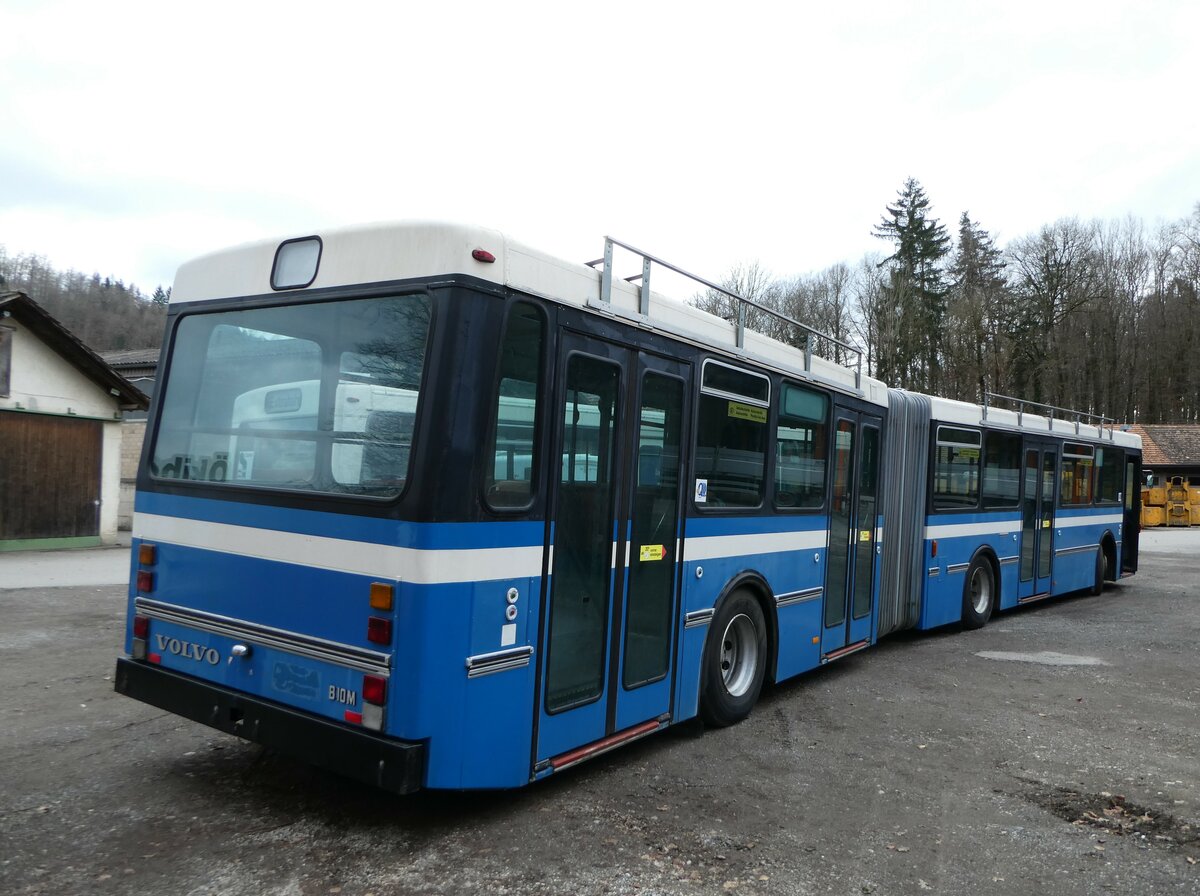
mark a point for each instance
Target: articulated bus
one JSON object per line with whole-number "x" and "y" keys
{"x": 432, "y": 509}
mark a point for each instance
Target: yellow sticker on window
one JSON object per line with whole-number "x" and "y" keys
{"x": 651, "y": 552}
{"x": 747, "y": 412}
{"x": 864, "y": 534}
{"x": 972, "y": 453}
{"x": 1045, "y": 524}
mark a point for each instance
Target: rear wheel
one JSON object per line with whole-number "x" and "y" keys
{"x": 1101, "y": 571}
{"x": 735, "y": 661}
{"x": 979, "y": 594}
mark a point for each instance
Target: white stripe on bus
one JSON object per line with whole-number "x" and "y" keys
{"x": 712, "y": 547}
{"x": 421, "y": 567}
{"x": 1008, "y": 527}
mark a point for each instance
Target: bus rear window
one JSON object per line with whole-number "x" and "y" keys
{"x": 317, "y": 397}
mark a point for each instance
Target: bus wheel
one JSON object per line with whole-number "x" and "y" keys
{"x": 735, "y": 660}
{"x": 979, "y": 594}
{"x": 1101, "y": 571}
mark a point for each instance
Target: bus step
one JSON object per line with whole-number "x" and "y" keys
{"x": 844, "y": 651}
{"x": 576, "y": 756}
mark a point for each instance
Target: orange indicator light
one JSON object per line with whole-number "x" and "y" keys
{"x": 147, "y": 554}
{"x": 383, "y": 595}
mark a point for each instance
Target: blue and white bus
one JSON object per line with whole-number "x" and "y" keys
{"x": 432, "y": 509}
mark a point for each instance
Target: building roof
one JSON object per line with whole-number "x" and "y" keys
{"x": 38, "y": 321}
{"x": 1169, "y": 445}
{"x": 134, "y": 357}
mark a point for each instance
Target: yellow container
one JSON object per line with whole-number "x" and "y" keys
{"x": 1194, "y": 494}
{"x": 1177, "y": 515}
{"x": 1153, "y": 516}
{"x": 1195, "y": 512}
{"x": 1157, "y": 497}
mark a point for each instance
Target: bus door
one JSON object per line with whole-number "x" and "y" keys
{"x": 1132, "y": 523}
{"x": 1038, "y": 499}
{"x": 614, "y": 548}
{"x": 850, "y": 570}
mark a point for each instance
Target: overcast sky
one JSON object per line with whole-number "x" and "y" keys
{"x": 138, "y": 135}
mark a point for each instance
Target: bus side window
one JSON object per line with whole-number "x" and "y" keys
{"x": 509, "y": 480}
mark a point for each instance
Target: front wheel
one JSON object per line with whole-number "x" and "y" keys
{"x": 979, "y": 594}
{"x": 735, "y": 661}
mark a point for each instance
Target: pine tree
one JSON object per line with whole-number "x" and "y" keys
{"x": 916, "y": 291}
{"x": 978, "y": 296}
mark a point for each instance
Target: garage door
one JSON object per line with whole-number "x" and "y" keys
{"x": 49, "y": 477}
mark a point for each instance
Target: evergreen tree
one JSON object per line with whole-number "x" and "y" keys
{"x": 978, "y": 298}
{"x": 916, "y": 292}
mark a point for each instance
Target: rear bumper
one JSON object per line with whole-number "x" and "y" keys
{"x": 392, "y": 765}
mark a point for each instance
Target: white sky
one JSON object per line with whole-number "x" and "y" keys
{"x": 138, "y": 135}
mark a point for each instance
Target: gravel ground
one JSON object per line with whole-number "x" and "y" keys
{"x": 1056, "y": 751}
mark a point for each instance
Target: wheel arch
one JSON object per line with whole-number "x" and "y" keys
{"x": 755, "y": 583}
{"x": 1108, "y": 544}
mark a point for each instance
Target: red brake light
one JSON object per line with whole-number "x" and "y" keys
{"x": 141, "y": 626}
{"x": 374, "y": 689}
{"x": 934, "y": 552}
{"x": 379, "y": 630}
{"x": 145, "y": 580}
{"x": 483, "y": 255}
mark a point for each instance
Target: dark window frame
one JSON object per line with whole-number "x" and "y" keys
{"x": 540, "y": 399}
{"x": 707, "y": 395}
{"x": 821, "y": 438}
{"x": 939, "y": 442}
{"x": 990, "y": 437}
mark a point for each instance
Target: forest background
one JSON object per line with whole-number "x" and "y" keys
{"x": 1098, "y": 316}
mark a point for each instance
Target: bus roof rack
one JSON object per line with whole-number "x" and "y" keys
{"x": 606, "y": 280}
{"x": 1079, "y": 418}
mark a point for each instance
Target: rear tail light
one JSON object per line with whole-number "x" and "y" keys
{"x": 145, "y": 580}
{"x": 141, "y": 634}
{"x": 147, "y": 554}
{"x": 374, "y": 693}
{"x": 379, "y": 630}
{"x": 374, "y": 690}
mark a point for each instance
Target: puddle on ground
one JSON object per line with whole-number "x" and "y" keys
{"x": 1044, "y": 657}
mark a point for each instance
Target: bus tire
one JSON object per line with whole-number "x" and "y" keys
{"x": 979, "y": 593}
{"x": 735, "y": 661}
{"x": 1101, "y": 571}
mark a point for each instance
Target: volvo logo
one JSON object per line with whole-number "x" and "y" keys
{"x": 188, "y": 650}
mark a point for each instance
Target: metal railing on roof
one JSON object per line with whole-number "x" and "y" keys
{"x": 1066, "y": 415}
{"x": 742, "y": 303}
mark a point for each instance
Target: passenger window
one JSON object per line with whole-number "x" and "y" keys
{"x": 956, "y": 468}
{"x": 1109, "y": 462}
{"x": 510, "y": 477}
{"x": 1075, "y": 478}
{"x": 800, "y": 448}
{"x": 731, "y": 438}
{"x": 1002, "y": 471}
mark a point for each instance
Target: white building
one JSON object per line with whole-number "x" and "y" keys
{"x": 60, "y": 433}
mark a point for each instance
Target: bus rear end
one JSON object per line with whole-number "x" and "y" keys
{"x": 270, "y": 561}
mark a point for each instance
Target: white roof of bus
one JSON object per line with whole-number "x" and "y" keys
{"x": 946, "y": 410}
{"x": 398, "y": 251}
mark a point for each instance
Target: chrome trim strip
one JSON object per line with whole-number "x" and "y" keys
{"x": 352, "y": 657}
{"x": 933, "y": 571}
{"x": 798, "y": 597}
{"x": 499, "y": 661}
{"x": 1081, "y": 549}
{"x": 957, "y": 567}
{"x": 697, "y": 618}
{"x": 1008, "y": 561}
